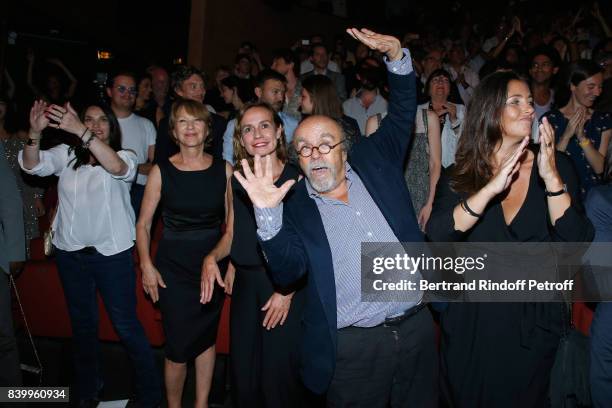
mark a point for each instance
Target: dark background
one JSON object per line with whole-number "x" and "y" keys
{"x": 139, "y": 33}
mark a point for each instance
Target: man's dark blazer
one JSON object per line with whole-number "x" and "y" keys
{"x": 336, "y": 77}
{"x": 301, "y": 246}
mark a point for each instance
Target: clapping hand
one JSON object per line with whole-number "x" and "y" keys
{"x": 508, "y": 168}
{"x": 547, "y": 166}
{"x": 451, "y": 109}
{"x": 260, "y": 186}
{"x": 575, "y": 125}
{"x": 386, "y": 44}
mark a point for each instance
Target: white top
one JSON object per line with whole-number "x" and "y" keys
{"x": 470, "y": 77}
{"x": 540, "y": 110}
{"x": 94, "y": 206}
{"x": 490, "y": 43}
{"x": 352, "y": 107}
{"x": 306, "y": 66}
{"x": 450, "y": 133}
{"x": 137, "y": 134}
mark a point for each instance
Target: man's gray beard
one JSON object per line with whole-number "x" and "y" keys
{"x": 326, "y": 185}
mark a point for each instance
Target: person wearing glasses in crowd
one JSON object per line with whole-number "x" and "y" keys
{"x": 138, "y": 133}
{"x": 361, "y": 354}
{"x": 543, "y": 67}
{"x": 194, "y": 189}
{"x": 94, "y": 234}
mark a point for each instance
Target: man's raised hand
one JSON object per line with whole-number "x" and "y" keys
{"x": 260, "y": 186}
{"x": 386, "y": 44}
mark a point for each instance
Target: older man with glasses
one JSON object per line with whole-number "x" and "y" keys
{"x": 137, "y": 133}
{"x": 361, "y": 354}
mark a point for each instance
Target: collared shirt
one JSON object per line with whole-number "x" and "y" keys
{"x": 306, "y": 66}
{"x": 346, "y": 226}
{"x": 289, "y": 124}
{"x": 94, "y": 206}
{"x": 354, "y": 108}
{"x": 470, "y": 77}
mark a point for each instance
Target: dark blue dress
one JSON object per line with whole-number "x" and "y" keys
{"x": 593, "y": 128}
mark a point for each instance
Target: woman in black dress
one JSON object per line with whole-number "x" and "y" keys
{"x": 265, "y": 319}
{"x": 502, "y": 190}
{"x": 196, "y": 201}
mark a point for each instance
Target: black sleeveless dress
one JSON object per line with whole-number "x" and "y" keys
{"x": 193, "y": 211}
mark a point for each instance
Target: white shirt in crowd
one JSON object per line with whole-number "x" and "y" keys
{"x": 354, "y": 108}
{"x": 450, "y": 132}
{"x": 470, "y": 77}
{"x": 138, "y": 134}
{"x": 306, "y": 66}
{"x": 94, "y": 206}
{"x": 540, "y": 110}
{"x": 490, "y": 43}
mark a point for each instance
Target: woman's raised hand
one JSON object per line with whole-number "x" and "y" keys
{"x": 67, "y": 119}
{"x": 38, "y": 116}
{"x": 260, "y": 185}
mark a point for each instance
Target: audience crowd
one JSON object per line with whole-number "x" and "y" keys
{"x": 267, "y": 177}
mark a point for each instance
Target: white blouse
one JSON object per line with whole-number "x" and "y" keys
{"x": 450, "y": 133}
{"x": 94, "y": 206}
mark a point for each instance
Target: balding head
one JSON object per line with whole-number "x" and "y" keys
{"x": 326, "y": 172}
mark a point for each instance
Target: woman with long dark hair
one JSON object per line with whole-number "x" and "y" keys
{"x": 94, "y": 235}
{"x": 501, "y": 189}
{"x": 580, "y": 131}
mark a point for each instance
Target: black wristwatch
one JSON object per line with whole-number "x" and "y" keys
{"x": 556, "y": 193}
{"x": 33, "y": 142}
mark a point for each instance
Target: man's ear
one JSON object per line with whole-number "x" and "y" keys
{"x": 108, "y": 92}
{"x": 258, "y": 92}
{"x": 555, "y": 70}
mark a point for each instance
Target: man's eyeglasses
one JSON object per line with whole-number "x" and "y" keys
{"x": 306, "y": 151}
{"x": 123, "y": 89}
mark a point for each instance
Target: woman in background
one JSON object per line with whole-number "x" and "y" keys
{"x": 580, "y": 131}
{"x": 319, "y": 97}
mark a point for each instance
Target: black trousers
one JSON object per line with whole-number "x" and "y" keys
{"x": 10, "y": 372}
{"x": 387, "y": 365}
{"x": 264, "y": 364}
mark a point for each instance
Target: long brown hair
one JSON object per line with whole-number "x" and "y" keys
{"x": 240, "y": 152}
{"x": 482, "y": 132}
{"x": 325, "y": 100}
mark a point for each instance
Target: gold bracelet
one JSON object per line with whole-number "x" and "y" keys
{"x": 584, "y": 142}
